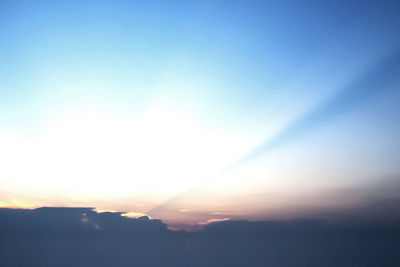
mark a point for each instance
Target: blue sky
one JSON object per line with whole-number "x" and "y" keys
{"x": 198, "y": 84}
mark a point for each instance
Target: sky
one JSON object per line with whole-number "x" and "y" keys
{"x": 199, "y": 111}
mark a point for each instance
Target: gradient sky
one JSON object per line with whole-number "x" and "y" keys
{"x": 199, "y": 110}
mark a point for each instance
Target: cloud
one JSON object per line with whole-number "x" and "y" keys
{"x": 82, "y": 237}
{"x": 214, "y": 221}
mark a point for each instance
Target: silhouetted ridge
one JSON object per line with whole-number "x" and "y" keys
{"x": 79, "y": 237}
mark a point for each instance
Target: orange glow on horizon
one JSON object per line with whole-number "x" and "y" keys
{"x": 18, "y": 204}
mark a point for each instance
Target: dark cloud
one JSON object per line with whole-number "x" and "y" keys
{"x": 81, "y": 237}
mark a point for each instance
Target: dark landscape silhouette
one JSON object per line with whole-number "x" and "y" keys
{"x": 83, "y": 237}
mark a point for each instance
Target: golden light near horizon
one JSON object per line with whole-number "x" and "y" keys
{"x": 154, "y": 155}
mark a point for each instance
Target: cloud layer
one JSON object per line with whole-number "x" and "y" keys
{"x": 81, "y": 237}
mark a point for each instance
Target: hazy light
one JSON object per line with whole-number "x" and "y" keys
{"x": 154, "y": 155}
{"x": 134, "y": 214}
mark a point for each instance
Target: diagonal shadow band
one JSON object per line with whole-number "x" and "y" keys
{"x": 375, "y": 81}
{"x": 381, "y": 77}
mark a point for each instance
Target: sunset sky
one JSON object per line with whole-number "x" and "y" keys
{"x": 200, "y": 111}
